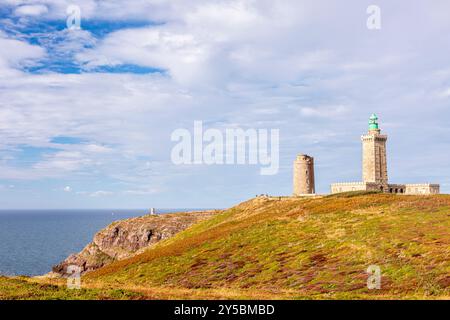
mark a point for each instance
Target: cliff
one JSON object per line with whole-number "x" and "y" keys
{"x": 126, "y": 238}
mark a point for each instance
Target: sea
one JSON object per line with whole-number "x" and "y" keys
{"x": 32, "y": 241}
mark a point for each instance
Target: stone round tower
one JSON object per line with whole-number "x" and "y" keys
{"x": 304, "y": 175}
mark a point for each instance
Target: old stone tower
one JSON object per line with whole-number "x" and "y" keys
{"x": 374, "y": 165}
{"x": 304, "y": 175}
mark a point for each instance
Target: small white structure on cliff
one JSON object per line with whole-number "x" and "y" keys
{"x": 374, "y": 168}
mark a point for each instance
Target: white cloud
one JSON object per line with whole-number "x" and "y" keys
{"x": 181, "y": 54}
{"x": 215, "y": 43}
{"x": 100, "y": 193}
{"x": 61, "y": 162}
{"x": 324, "y": 111}
{"x": 141, "y": 192}
{"x": 95, "y": 194}
{"x": 16, "y": 54}
{"x": 65, "y": 42}
{"x": 445, "y": 93}
{"x": 67, "y": 189}
{"x": 31, "y": 10}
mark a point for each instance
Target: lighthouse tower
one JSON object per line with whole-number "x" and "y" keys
{"x": 374, "y": 164}
{"x": 374, "y": 168}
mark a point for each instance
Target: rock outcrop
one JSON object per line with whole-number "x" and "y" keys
{"x": 125, "y": 238}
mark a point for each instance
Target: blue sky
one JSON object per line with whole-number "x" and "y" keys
{"x": 86, "y": 115}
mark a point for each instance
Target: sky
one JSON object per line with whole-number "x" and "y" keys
{"x": 86, "y": 115}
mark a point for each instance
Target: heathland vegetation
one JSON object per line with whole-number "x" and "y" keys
{"x": 289, "y": 249}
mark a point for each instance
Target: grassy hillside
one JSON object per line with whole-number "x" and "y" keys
{"x": 301, "y": 248}
{"x": 23, "y": 288}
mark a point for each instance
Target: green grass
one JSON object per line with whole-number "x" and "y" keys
{"x": 318, "y": 248}
{"x": 23, "y": 288}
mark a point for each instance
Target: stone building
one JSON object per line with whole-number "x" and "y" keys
{"x": 304, "y": 183}
{"x": 374, "y": 168}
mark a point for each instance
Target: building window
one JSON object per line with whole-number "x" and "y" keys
{"x": 390, "y": 190}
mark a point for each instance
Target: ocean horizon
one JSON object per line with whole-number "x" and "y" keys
{"x": 32, "y": 241}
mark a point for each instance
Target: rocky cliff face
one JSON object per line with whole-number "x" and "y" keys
{"x": 125, "y": 238}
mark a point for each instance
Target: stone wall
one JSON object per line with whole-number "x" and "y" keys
{"x": 354, "y": 186}
{"x": 408, "y": 189}
{"x": 422, "y": 188}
